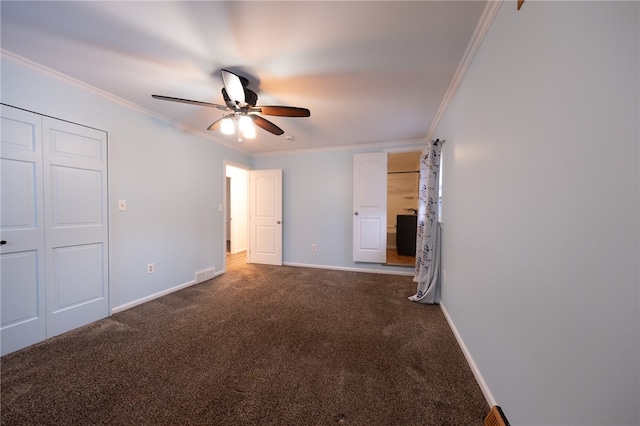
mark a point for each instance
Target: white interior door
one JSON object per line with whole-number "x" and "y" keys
{"x": 370, "y": 207}
{"x": 22, "y": 253}
{"x": 265, "y": 216}
{"x": 75, "y": 182}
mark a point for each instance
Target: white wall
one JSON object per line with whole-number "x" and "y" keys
{"x": 173, "y": 182}
{"x": 541, "y": 218}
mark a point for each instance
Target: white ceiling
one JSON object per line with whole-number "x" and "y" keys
{"x": 369, "y": 71}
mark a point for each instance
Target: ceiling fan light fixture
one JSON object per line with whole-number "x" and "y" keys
{"x": 245, "y": 122}
{"x": 227, "y": 127}
{"x": 249, "y": 132}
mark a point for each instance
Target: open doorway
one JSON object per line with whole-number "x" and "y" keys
{"x": 403, "y": 173}
{"x": 236, "y": 214}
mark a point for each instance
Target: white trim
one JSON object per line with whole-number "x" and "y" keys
{"x": 27, "y": 63}
{"x": 207, "y": 135}
{"x": 113, "y": 98}
{"x": 159, "y": 294}
{"x": 225, "y": 164}
{"x": 236, "y": 165}
{"x": 410, "y": 148}
{"x": 152, "y": 296}
{"x": 410, "y": 144}
{"x": 225, "y": 207}
{"x": 349, "y": 269}
{"x": 474, "y": 368}
{"x": 488, "y": 14}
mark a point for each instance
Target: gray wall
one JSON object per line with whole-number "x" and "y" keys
{"x": 541, "y": 195}
{"x": 318, "y": 207}
{"x": 173, "y": 183}
{"x": 541, "y": 221}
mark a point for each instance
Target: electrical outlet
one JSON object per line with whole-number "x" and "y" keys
{"x": 151, "y": 268}
{"x": 314, "y": 247}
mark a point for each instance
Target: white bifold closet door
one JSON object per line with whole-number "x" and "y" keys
{"x": 53, "y": 226}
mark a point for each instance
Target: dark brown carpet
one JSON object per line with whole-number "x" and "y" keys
{"x": 260, "y": 345}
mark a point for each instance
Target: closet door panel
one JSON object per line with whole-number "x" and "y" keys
{"x": 75, "y": 172}
{"x": 22, "y": 268}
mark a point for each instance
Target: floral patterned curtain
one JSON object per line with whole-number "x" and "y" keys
{"x": 427, "y": 272}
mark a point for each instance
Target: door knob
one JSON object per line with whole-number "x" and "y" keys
{"x": 278, "y": 222}
{"x": 356, "y": 213}
{"x": 3, "y": 242}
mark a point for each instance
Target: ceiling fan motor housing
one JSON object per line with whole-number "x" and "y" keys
{"x": 250, "y": 97}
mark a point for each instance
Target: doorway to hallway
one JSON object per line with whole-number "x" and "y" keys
{"x": 236, "y": 211}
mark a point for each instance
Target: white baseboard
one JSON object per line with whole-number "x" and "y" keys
{"x": 140, "y": 301}
{"x": 409, "y": 273}
{"x": 474, "y": 368}
{"x": 151, "y": 297}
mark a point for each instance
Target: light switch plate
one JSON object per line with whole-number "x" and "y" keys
{"x": 122, "y": 205}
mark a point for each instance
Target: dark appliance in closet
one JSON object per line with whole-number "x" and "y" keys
{"x": 406, "y": 227}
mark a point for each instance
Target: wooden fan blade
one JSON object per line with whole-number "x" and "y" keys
{"x": 233, "y": 86}
{"x": 216, "y": 124}
{"x": 189, "y": 101}
{"x": 266, "y": 125}
{"x": 282, "y": 111}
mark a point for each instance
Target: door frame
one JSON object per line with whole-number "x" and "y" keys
{"x": 387, "y": 151}
{"x": 226, "y": 207}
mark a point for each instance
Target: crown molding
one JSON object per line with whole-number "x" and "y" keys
{"x": 486, "y": 19}
{"x": 406, "y": 145}
{"x": 49, "y": 72}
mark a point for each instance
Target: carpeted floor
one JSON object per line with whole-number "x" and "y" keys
{"x": 260, "y": 345}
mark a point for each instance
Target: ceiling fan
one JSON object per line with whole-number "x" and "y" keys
{"x": 241, "y": 109}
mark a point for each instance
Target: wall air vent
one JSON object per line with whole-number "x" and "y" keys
{"x": 496, "y": 417}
